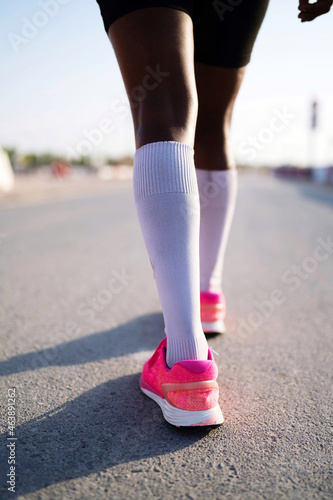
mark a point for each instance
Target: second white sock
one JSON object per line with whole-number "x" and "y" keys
{"x": 218, "y": 193}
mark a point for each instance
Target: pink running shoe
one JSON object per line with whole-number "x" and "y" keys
{"x": 213, "y": 311}
{"x": 187, "y": 393}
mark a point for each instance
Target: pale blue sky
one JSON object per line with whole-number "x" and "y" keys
{"x": 59, "y": 84}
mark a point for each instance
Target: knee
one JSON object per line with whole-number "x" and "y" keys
{"x": 165, "y": 114}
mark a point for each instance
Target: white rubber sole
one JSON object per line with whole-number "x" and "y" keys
{"x": 185, "y": 418}
{"x": 213, "y": 327}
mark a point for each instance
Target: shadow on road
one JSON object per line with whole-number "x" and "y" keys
{"x": 139, "y": 334}
{"x": 111, "y": 424}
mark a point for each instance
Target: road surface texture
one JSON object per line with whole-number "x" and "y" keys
{"x": 80, "y": 315}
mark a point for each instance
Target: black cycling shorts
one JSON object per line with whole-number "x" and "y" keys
{"x": 224, "y": 31}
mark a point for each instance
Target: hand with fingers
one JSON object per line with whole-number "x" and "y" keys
{"x": 309, "y": 11}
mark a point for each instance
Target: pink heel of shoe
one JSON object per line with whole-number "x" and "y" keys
{"x": 213, "y": 310}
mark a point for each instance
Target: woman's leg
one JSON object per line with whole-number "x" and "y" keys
{"x": 217, "y": 90}
{"x": 154, "y": 48}
{"x": 215, "y": 168}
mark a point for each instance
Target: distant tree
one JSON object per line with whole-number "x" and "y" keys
{"x": 33, "y": 160}
{"x": 46, "y": 159}
{"x": 84, "y": 161}
{"x": 29, "y": 160}
{"x": 111, "y": 161}
{"x": 125, "y": 160}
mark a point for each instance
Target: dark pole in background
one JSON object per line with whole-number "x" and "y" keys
{"x": 312, "y": 135}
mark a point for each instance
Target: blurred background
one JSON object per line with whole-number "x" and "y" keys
{"x": 65, "y": 120}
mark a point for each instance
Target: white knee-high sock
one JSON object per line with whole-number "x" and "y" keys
{"x": 167, "y": 200}
{"x": 218, "y": 192}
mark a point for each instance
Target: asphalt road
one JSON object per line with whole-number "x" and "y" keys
{"x": 80, "y": 315}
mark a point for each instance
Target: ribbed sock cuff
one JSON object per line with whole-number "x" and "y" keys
{"x": 186, "y": 349}
{"x": 164, "y": 167}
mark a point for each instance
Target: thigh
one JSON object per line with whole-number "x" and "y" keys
{"x": 154, "y": 48}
